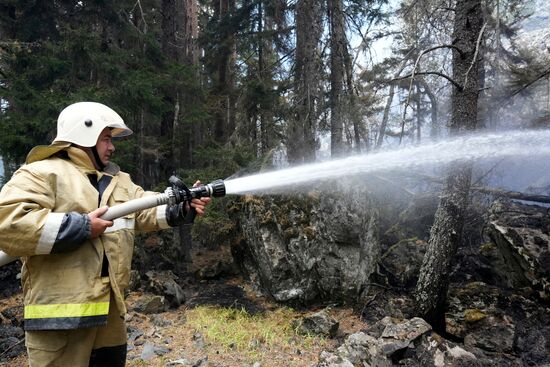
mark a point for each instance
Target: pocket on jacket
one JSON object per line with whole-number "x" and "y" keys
{"x": 120, "y": 195}
{"x": 47, "y": 340}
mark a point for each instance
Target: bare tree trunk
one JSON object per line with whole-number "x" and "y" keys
{"x": 265, "y": 53}
{"x": 171, "y": 42}
{"x": 179, "y": 36}
{"x": 494, "y": 112}
{"x": 192, "y": 54}
{"x": 140, "y": 148}
{"x": 301, "y": 141}
{"x": 337, "y": 45}
{"x": 446, "y": 232}
{"x": 355, "y": 115}
{"x": 445, "y": 237}
{"x": 359, "y": 129}
{"x": 192, "y": 32}
{"x": 231, "y": 84}
{"x": 434, "y": 127}
{"x": 418, "y": 115}
{"x": 389, "y": 101}
{"x": 224, "y": 84}
{"x": 385, "y": 117}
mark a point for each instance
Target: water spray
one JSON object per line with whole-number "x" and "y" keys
{"x": 530, "y": 144}
{"x": 175, "y": 194}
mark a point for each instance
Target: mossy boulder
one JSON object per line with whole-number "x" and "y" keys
{"x": 319, "y": 245}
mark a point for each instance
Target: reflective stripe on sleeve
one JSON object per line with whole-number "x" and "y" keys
{"x": 121, "y": 223}
{"x": 161, "y": 217}
{"x": 49, "y": 233}
{"x": 66, "y": 310}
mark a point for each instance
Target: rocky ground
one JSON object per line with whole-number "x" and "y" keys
{"x": 160, "y": 334}
{"x": 498, "y": 310}
{"x": 491, "y": 327}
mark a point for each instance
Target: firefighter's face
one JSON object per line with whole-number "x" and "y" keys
{"x": 104, "y": 146}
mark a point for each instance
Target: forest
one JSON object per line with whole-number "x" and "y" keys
{"x": 229, "y": 88}
{"x": 221, "y": 84}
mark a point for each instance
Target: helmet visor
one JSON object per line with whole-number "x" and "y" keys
{"x": 119, "y": 130}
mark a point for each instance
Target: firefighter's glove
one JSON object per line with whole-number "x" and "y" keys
{"x": 177, "y": 214}
{"x": 76, "y": 228}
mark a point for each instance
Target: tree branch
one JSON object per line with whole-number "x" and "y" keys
{"x": 453, "y": 82}
{"x": 512, "y": 194}
{"x": 12, "y": 346}
{"x": 407, "y": 102}
{"x": 422, "y": 54}
{"x": 539, "y": 77}
{"x": 474, "y": 59}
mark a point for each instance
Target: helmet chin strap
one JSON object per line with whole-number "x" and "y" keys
{"x": 98, "y": 161}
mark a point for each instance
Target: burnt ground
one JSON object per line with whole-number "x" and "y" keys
{"x": 11, "y": 313}
{"x": 223, "y": 293}
{"x": 169, "y": 331}
{"x": 9, "y": 283}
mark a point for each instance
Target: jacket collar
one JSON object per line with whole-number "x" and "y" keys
{"x": 81, "y": 159}
{"x": 76, "y": 155}
{"x": 41, "y": 152}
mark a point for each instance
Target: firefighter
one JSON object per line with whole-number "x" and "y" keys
{"x": 76, "y": 265}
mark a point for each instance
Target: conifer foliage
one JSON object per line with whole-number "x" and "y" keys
{"x": 56, "y": 53}
{"x": 219, "y": 84}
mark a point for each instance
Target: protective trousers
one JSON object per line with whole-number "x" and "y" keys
{"x": 96, "y": 346}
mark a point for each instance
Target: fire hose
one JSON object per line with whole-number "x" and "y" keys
{"x": 175, "y": 194}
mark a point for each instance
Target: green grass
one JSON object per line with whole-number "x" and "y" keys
{"x": 253, "y": 335}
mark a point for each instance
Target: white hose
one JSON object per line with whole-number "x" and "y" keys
{"x": 135, "y": 205}
{"x": 6, "y": 259}
{"x": 114, "y": 212}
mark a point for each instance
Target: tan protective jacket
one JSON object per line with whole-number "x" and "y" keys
{"x": 66, "y": 290}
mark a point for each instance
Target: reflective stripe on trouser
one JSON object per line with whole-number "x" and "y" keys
{"x": 65, "y": 316}
{"x": 52, "y": 348}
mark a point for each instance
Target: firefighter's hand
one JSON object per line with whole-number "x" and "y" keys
{"x": 98, "y": 225}
{"x": 200, "y": 204}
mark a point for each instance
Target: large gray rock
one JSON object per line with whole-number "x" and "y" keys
{"x": 533, "y": 339}
{"x": 319, "y": 246}
{"x": 364, "y": 349}
{"x": 410, "y": 343}
{"x": 500, "y": 325}
{"x": 320, "y": 323}
{"x": 522, "y": 234}
{"x": 164, "y": 283}
{"x": 150, "y": 304}
{"x": 402, "y": 262}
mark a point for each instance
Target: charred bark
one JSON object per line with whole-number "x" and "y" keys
{"x": 446, "y": 232}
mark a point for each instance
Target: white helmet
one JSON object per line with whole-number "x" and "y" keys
{"x": 81, "y": 123}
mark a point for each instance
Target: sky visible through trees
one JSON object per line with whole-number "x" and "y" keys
{"x": 219, "y": 85}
